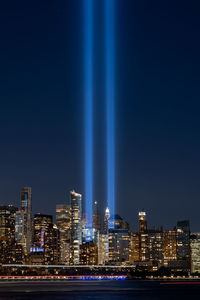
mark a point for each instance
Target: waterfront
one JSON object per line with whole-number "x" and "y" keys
{"x": 126, "y": 289}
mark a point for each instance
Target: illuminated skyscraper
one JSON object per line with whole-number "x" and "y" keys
{"x": 119, "y": 246}
{"x": 96, "y": 217}
{"x": 20, "y": 229}
{"x": 155, "y": 246}
{"x": 169, "y": 247}
{"x": 195, "y": 252}
{"x": 106, "y": 217}
{"x": 134, "y": 248}
{"x": 75, "y": 226}
{"x": 41, "y": 224}
{"x": 26, "y": 206}
{"x": 45, "y": 239}
{"x": 143, "y": 236}
{"x": 63, "y": 224}
{"x": 142, "y": 221}
{"x": 183, "y": 244}
{"x": 7, "y": 233}
{"x": 89, "y": 253}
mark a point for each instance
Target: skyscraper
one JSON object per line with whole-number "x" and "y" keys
{"x": 96, "y": 217}
{"x": 46, "y": 239}
{"x": 76, "y": 227}
{"x": 26, "y": 206}
{"x": 89, "y": 253}
{"x": 41, "y": 224}
{"x": 63, "y": 224}
{"x": 143, "y": 236}
{"x": 183, "y": 244}
{"x": 142, "y": 222}
{"x": 20, "y": 229}
{"x": 106, "y": 217}
{"x": 195, "y": 252}
{"x": 119, "y": 246}
{"x": 7, "y": 233}
{"x": 169, "y": 247}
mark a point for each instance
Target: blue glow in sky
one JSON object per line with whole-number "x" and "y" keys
{"x": 110, "y": 99}
{"x": 88, "y": 98}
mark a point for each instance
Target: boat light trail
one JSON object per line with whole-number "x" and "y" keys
{"x": 110, "y": 99}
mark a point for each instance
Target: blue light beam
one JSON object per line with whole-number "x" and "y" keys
{"x": 110, "y": 103}
{"x": 88, "y": 101}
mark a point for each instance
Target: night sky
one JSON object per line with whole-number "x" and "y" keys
{"x": 157, "y": 106}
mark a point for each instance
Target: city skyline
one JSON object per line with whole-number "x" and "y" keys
{"x": 27, "y": 239}
{"x": 157, "y": 122}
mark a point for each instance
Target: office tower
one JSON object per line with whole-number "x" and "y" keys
{"x": 142, "y": 221}
{"x": 106, "y": 218}
{"x": 96, "y": 217}
{"x": 144, "y": 246}
{"x": 63, "y": 224}
{"x": 103, "y": 249}
{"x": 169, "y": 247}
{"x": 41, "y": 224}
{"x": 134, "y": 248}
{"x": 143, "y": 236}
{"x": 76, "y": 227}
{"x": 26, "y": 206}
{"x": 195, "y": 252}
{"x": 52, "y": 246}
{"x": 155, "y": 246}
{"x": 119, "y": 247}
{"x": 7, "y": 233}
{"x": 89, "y": 253}
{"x": 20, "y": 230}
{"x": 46, "y": 245}
{"x": 183, "y": 245}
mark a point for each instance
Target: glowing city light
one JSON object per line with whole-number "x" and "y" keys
{"x": 110, "y": 110}
{"x": 88, "y": 100}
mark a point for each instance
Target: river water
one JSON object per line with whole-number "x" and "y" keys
{"x": 106, "y": 290}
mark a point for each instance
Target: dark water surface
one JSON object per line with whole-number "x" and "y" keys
{"x": 107, "y": 290}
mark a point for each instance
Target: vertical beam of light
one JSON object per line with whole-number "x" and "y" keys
{"x": 110, "y": 109}
{"x": 88, "y": 103}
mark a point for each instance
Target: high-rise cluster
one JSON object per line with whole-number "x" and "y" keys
{"x": 37, "y": 240}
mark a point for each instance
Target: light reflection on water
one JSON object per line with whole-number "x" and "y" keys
{"x": 112, "y": 290}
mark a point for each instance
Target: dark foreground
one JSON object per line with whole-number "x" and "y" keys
{"x": 92, "y": 290}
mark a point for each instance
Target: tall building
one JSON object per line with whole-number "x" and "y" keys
{"x": 144, "y": 246}
{"x": 183, "y": 245}
{"x": 142, "y": 222}
{"x": 134, "y": 248}
{"x": 7, "y": 233}
{"x": 20, "y": 229}
{"x": 52, "y": 246}
{"x": 195, "y": 252}
{"x": 75, "y": 226}
{"x": 96, "y": 217}
{"x": 26, "y": 206}
{"x": 63, "y": 224}
{"x": 169, "y": 247}
{"x": 46, "y": 244}
{"x": 106, "y": 218}
{"x": 143, "y": 236}
{"x": 155, "y": 245}
{"x": 41, "y": 224}
{"x": 89, "y": 253}
{"x": 119, "y": 246}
